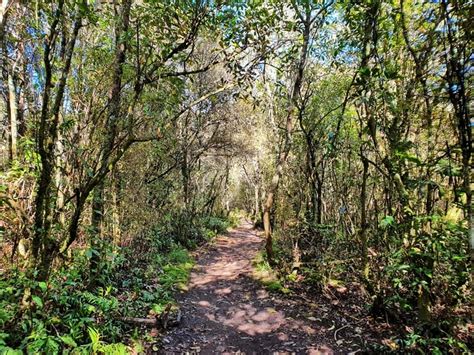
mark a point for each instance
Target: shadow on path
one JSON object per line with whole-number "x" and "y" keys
{"x": 226, "y": 311}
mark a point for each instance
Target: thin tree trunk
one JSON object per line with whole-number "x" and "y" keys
{"x": 114, "y": 111}
{"x": 44, "y": 248}
{"x": 13, "y": 113}
{"x": 111, "y": 130}
{"x": 116, "y": 231}
{"x": 456, "y": 73}
{"x": 4, "y": 4}
{"x": 285, "y": 150}
{"x": 319, "y": 198}
{"x": 363, "y": 217}
{"x": 60, "y": 160}
{"x": 257, "y": 203}
{"x": 185, "y": 175}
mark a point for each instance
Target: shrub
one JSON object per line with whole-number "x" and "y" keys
{"x": 183, "y": 228}
{"x": 66, "y": 315}
{"x": 216, "y": 224}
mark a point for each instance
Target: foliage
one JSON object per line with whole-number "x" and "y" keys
{"x": 217, "y": 225}
{"x": 267, "y": 276}
{"x": 64, "y": 314}
{"x": 59, "y": 314}
{"x": 189, "y": 230}
{"x": 135, "y": 132}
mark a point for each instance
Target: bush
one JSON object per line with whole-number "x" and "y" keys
{"x": 183, "y": 228}
{"x": 50, "y": 317}
{"x": 69, "y": 313}
{"x": 66, "y": 315}
{"x": 435, "y": 262}
{"x": 235, "y": 216}
{"x": 216, "y": 224}
{"x": 189, "y": 230}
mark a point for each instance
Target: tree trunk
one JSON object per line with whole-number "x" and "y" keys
{"x": 257, "y": 203}
{"x": 111, "y": 126}
{"x": 185, "y": 175}
{"x": 114, "y": 109}
{"x": 285, "y": 150}
{"x": 456, "y": 72}
{"x": 44, "y": 247}
{"x": 116, "y": 230}
{"x": 363, "y": 218}
{"x": 13, "y": 113}
{"x": 319, "y": 199}
{"x": 60, "y": 160}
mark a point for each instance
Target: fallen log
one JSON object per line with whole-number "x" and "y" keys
{"x": 141, "y": 321}
{"x": 163, "y": 320}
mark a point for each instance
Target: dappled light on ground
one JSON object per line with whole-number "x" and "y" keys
{"x": 225, "y": 310}
{"x": 250, "y": 320}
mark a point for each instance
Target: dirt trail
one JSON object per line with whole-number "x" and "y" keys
{"x": 226, "y": 311}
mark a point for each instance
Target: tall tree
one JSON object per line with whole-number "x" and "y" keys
{"x": 309, "y": 17}
{"x": 44, "y": 247}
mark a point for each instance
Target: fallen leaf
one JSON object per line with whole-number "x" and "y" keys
{"x": 390, "y": 343}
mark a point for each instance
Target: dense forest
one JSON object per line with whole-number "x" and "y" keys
{"x": 134, "y": 132}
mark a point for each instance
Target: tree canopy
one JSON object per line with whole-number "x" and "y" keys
{"x": 136, "y": 130}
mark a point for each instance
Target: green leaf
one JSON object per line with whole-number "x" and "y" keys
{"x": 10, "y": 351}
{"x": 386, "y": 222}
{"x": 403, "y": 267}
{"x": 42, "y": 285}
{"x": 38, "y": 301}
{"x": 66, "y": 339}
{"x": 52, "y": 346}
{"x": 94, "y": 335}
{"x": 3, "y": 337}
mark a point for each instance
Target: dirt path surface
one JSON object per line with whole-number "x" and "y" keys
{"x": 226, "y": 311}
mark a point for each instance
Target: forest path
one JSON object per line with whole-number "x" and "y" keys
{"x": 226, "y": 311}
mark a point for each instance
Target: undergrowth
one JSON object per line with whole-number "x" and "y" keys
{"x": 310, "y": 255}
{"x": 67, "y": 315}
{"x": 263, "y": 272}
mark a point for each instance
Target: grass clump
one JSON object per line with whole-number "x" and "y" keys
{"x": 263, "y": 272}
{"x": 176, "y": 271}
